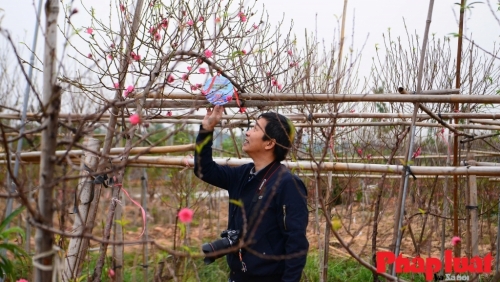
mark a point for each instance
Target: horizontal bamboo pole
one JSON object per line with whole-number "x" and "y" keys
{"x": 33, "y": 157}
{"x": 404, "y": 123}
{"x": 199, "y": 104}
{"x": 492, "y": 122}
{"x": 295, "y": 117}
{"x": 339, "y": 98}
{"x": 331, "y": 166}
{"x": 466, "y": 140}
{"x": 490, "y": 153}
{"x": 482, "y": 163}
{"x": 339, "y": 124}
{"x": 374, "y": 176}
{"x": 27, "y": 156}
{"x": 259, "y": 96}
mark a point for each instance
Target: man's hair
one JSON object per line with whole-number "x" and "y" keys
{"x": 280, "y": 129}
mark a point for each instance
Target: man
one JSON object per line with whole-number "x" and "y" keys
{"x": 269, "y": 206}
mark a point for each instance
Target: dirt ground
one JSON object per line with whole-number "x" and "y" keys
{"x": 356, "y": 230}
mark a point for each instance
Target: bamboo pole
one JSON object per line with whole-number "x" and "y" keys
{"x": 299, "y": 117}
{"x": 473, "y": 212}
{"x": 404, "y": 123}
{"x": 473, "y": 162}
{"x": 27, "y": 156}
{"x": 328, "y": 166}
{"x": 492, "y": 122}
{"x": 34, "y": 156}
{"x": 261, "y": 96}
{"x": 289, "y": 98}
{"x": 233, "y": 104}
{"x": 322, "y": 124}
{"x": 456, "y": 106}
{"x": 400, "y": 208}
{"x": 77, "y": 247}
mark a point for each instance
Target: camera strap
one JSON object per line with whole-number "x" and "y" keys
{"x": 243, "y": 265}
{"x": 260, "y": 191}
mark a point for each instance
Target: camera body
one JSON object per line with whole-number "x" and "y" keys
{"x": 229, "y": 239}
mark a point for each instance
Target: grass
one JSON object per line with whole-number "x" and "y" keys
{"x": 340, "y": 269}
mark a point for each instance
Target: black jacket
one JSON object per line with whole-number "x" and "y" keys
{"x": 278, "y": 219}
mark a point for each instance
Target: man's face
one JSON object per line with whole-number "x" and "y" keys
{"x": 253, "y": 143}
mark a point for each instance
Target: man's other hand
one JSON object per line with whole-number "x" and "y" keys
{"x": 212, "y": 118}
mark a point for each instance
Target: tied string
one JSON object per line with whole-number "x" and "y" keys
{"x": 205, "y": 92}
{"x": 137, "y": 204}
{"x": 242, "y": 109}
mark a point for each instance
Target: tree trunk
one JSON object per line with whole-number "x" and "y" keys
{"x": 84, "y": 218}
{"x": 44, "y": 239}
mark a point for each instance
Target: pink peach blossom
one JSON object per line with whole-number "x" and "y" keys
{"x": 360, "y": 152}
{"x": 201, "y": 19}
{"x": 203, "y": 70}
{"x": 185, "y": 77}
{"x": 455, "y": 240}
{"x": 186, "y": 215}
{"x": 170, "y": 79}
{"x": 290, "y": 52}
{"x": 111, "y": 273}
{"x": 89, "y": 30}
{"x": 157, "y": 36}
{"x": 129, "y": 90}
{"x": 135, "y": 119}
{"x": 208, "y": 53}
{"x": 417, "y": 153}
{"x": 164, "y": 23}
{"x": 89, "y": 56}
{"x": 117, "y": 85}
{"x": 189, "y": 68}
{"x": 244, "y": 52}
{"x": 243, "y": 17}
{"x": 217, "y": 20}
{"x": 189, "y": 22}
{"x": 169, "y": 114}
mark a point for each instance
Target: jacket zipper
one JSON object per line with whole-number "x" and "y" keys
{"x": 284, "y": 216}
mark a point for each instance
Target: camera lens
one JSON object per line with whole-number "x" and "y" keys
{"x": 214, "y": 246}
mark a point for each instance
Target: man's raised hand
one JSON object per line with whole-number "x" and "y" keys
{"x": 212, "y": 118}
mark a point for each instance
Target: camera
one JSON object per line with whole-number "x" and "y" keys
{"x": 229, "y": 239}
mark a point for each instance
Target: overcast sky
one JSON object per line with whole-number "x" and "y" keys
{"x": 370, "y": 19}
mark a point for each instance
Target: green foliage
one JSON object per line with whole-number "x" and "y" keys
{"x": 6, "y": 233}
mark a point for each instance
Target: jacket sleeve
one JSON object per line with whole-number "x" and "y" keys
{"x": 204, "y": 166}
{"x": 295, "y": 216}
